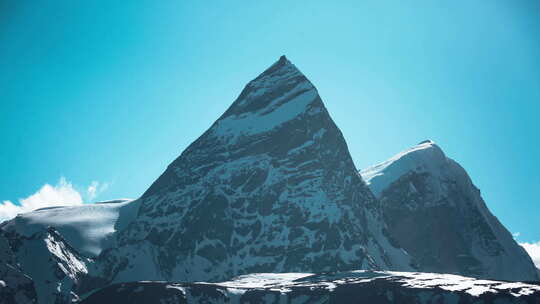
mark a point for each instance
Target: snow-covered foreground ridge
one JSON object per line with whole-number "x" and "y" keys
{"x": 346, "y": 287}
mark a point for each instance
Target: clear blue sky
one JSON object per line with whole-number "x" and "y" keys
{"x": 113, "y": 92}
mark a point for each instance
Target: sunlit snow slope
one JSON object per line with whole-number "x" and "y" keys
{"x": 88, "y": 228}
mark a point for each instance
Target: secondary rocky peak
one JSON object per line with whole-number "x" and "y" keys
{"x": 434, "y": 211}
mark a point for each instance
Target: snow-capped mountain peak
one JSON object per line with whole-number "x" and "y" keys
{"x": 279, "y": 94}
{"x": 271, "y": 186}
{"x": 434, "y": 211}
{"x": 425, "y": 156}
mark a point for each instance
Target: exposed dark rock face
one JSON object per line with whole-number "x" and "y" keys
{"x": 435, "y": 212}
{"x": 270, "y": 187}
{"x": 348, "y": 287}
{"x": 15, "y": 286}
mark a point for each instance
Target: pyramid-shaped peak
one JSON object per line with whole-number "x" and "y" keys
{"x": 281, "y": 63}
{"x": 263, "y": 190}
{"x": 278, "y": 95}
{"x": 281, "y": 70}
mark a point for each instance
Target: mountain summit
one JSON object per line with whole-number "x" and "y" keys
{"x": 270, "y": 187}
{"x": 276, "y": 97}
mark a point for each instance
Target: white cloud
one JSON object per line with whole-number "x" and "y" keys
{"x": 92, "y": 189}
{"x": 63, "y": 194}
{"x": 95, "y": 188}
{"x": 516, "y": 234}
{"x": 533, "y": 249}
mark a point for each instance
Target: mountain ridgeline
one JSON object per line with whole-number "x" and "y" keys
{"x": 271, "y": 187}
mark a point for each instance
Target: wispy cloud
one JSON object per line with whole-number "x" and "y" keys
{"x": 62, "y": 194}
{"x": 533, "y": 249}
{"x": 95, "y": 188}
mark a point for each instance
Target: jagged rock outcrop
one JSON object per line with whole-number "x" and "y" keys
{"x": 54, "y": 267}
{"x": 434, "y": 211}
{"x": 270, "y": 187}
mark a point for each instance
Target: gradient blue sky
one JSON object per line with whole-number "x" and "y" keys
{"x": 113, "y": 92}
